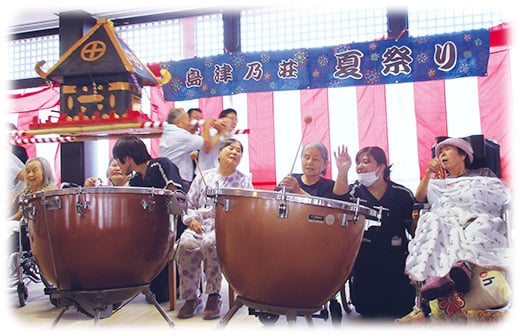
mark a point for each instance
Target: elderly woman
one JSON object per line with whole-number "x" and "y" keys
{"x": 114, "y": 175}
{"x": 463, "y": 227}
{"x": 197, "y": 243}
{"x": 38, "y": 176}
{"x": 315, "y": 160}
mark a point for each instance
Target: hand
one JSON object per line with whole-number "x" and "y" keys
{"x": 196, "y": 226}
{"x": 435, "y": 167}
{"x": 291, "y": 184}
{"x": 92, "y": 182}
{"x": 220, "y": 125}
{"x": 343, "y": 160}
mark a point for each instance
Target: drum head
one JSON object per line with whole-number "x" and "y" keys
{"x": 297, "y": 198}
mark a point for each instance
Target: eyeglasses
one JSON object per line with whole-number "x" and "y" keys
{"x": 233, "y": 118}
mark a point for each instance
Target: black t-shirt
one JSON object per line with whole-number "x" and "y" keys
{"x": 159, "y": 173}
{"x": 323, "y": 188}
{"x": 399, "y": 201}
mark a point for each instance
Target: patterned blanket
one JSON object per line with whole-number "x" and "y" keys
{"x": 464, "y": 223}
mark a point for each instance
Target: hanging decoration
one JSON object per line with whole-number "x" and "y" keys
{"x": 390, "y": 61}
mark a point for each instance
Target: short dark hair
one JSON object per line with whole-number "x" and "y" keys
{"x": 227, "y": 111}
{"x": 193, "y": 109}
{"x": 132, "y": 146}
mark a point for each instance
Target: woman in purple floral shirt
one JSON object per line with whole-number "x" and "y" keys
{"x": 197, "y": 243}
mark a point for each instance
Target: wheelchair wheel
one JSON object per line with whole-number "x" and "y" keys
{"x": 345, "y": 302}
{"x": 267, "y": 318}
{"x": 23, "y": 293}
{"x": 335, "y": 312}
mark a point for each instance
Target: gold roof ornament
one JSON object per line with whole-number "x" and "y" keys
{"x": 101, "y": 51}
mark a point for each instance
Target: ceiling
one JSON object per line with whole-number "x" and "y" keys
{"x": 33, "y": 19}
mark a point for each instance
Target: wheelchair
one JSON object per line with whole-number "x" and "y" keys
{"x": 486, "y": 154}
{"x": 22, "y": 267}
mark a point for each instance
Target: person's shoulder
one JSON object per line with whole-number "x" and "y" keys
{"x": 326, "y": 181}
{"x": 161, "y": 159}
{"x": 483, "y": 171}
{"x": 241, "y": 173}
{"x": 401, "y": 189}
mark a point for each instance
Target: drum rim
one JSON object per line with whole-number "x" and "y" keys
{"x": 97, "y": 190}
{"x": 304, "y": 199}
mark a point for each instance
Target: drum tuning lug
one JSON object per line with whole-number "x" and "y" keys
{"x": 29, "y": 212}
{"x": 148, "y": 205}
{"x": 177, "y": 204}
{"x": 380, "y": 212}
{"x": 345, "y": 218}
{"x": 282, "y": 210}
{"x": 356, "y": 213}
{"x": 284, "y": 193}
{"x": 81, "y": 206}
{"x": 226, "y": 205}
{"x": 53, "y": 204}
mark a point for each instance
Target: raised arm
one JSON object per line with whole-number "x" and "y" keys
{"x": 211, "y": 141}
{"x": 343, "y": 162}
{"x": 434, "y": 168}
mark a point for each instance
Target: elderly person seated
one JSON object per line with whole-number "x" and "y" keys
{"x": 197, "y": 243}
{"x": 463, "y": 230}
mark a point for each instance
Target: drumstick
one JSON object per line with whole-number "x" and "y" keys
{"x": 193, "y": 156}
{"x": 307, "y": 120}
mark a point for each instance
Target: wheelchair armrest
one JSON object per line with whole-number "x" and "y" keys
{"x": 421, "y": 206}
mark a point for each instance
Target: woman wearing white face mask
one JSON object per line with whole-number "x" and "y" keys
{"x": 379, "y": 286}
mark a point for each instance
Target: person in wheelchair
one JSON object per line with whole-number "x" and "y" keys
{"x": 38, "y": 177}
{"x": 379, "y": 287}
{"x": 463, "y": 228}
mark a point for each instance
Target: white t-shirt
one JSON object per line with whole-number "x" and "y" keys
{"x": 15, "y": 166}
{"x": 209, "y": 160}
{"x": 176, "y": 144}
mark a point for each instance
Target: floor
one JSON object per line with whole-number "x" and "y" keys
{"x": 39, "y": 312}
{"x": 139, "y": 317}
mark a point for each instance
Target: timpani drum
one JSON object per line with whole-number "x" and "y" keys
{"x": 101, "y": 237}
{"x": 286, "y": 250}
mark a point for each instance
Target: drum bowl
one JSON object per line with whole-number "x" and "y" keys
{"x": 300, "y": 261}
{"x": 100, "y": 238}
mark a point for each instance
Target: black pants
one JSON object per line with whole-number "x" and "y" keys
{"x": 379, "y": 287}
{"x": 160, "y": 286}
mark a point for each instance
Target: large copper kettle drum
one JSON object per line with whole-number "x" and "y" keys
{"x": 286, "y": 250}
{"x": 103, "y": 237}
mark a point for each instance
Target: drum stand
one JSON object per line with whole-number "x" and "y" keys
{"x": 101, "y": 303}
{"x": 290, "y": 313}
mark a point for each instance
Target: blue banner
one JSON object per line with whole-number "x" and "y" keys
{"x": 409, "y": 59}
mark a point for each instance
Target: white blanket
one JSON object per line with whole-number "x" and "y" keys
{"x": 464, "y": 223}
